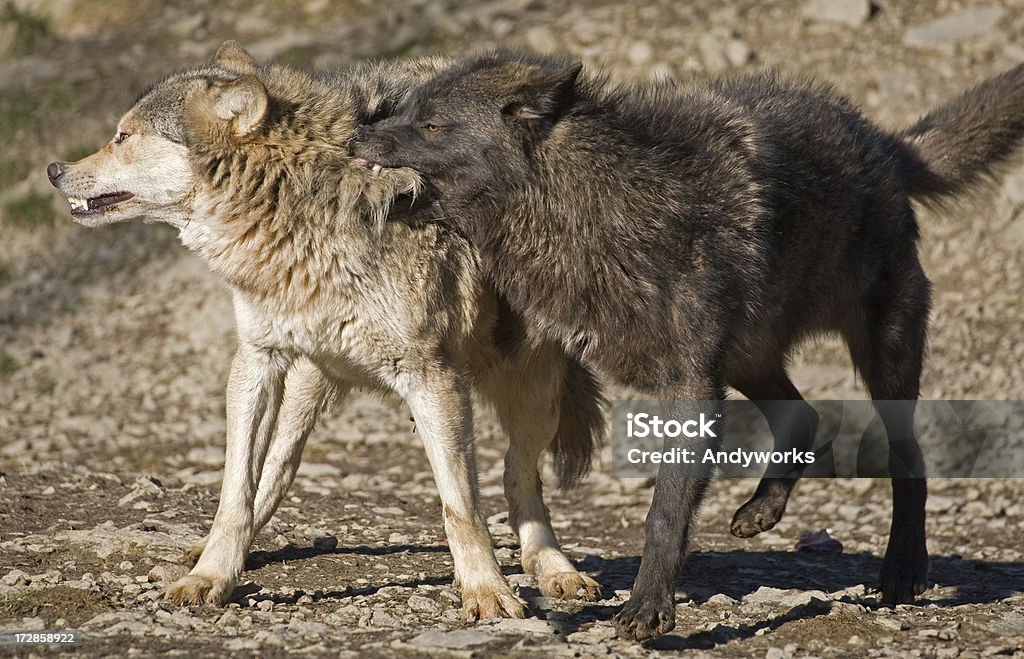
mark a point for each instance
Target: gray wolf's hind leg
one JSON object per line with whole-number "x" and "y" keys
{"x": 527, "y": 402}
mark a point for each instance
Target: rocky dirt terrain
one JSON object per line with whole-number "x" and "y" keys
{"x": 114, "y": 346}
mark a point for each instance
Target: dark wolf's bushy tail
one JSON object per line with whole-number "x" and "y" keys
{"x": 581, "y": 425}
{"x": 964, "y": 141}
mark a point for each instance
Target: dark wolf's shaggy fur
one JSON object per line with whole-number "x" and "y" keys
{"x": 683, "y": 240}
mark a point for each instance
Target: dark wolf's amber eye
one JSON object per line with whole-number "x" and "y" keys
{"x": 433, "y": 128}
{"x": 121, "y": 137}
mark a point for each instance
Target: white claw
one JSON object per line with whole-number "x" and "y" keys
{"x": 376, "y": 169}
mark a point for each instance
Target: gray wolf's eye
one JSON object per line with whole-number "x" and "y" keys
{"x": 432, "y": 128}
{"x": 120, "y": 137}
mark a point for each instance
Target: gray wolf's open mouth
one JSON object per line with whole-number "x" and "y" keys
{"x": 374, "y": 167}
{"x": 96, "y": 204}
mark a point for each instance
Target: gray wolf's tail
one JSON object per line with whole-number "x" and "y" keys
{"x": 965, "y": 141}
{"x": 581, "y": 425}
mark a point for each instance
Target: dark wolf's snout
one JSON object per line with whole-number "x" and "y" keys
{"x": 369, "y": 145}
{"x": 54, "y": 171}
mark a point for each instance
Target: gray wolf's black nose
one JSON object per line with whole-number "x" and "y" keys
{"x": 54, "y": 171}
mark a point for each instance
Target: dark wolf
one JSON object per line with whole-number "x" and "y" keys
{"x": 332, "y": 293}
{"x": 682, "y": 240}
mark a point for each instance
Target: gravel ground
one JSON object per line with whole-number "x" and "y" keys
{"x": 114, "y": 347}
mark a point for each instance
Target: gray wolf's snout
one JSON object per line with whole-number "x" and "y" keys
{"x": 54, "y": 171}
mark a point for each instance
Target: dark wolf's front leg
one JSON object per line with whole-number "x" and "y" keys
{"x": 678, "y": 492}
{"x": 651, "y": 609}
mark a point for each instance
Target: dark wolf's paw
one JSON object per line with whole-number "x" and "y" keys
{"x": 903, "y": 579}
{"x": 758, "y": 514}
{"x": 643, "y": 618}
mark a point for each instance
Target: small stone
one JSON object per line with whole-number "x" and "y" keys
{"x": 422, "y": 604}
{"x": 265, "y": 605}
{"x": 764, "y": 595}
{"x": 640, "y": 53}
{"x": 774, "y": 653}
{"x": 382, "y": 618}
{"x": 227, "y": 619}
{"x": 712, "y": 52}
{"x": 165, "y": 572}
{"x": 541, "y": 39}
{"x": 738, "y": 52}
{"x": 955, "y": 27}
{"x": 721, "y": 599}
{"x": 845, "y": 12}
{"x": 325, "y": 543}
{"x": 33, "y": 624}
{"x": 891, "y": 624}
{"x": 453, "y": 640}
{"x": 15, "y": 577}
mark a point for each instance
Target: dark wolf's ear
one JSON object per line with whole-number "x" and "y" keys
{"x": 545, "y": 93}
{"x": 233, "y": 57}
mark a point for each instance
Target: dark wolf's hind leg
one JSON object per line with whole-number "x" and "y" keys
{"x": 888, "y": 350}
{"x": 793, "y": 425}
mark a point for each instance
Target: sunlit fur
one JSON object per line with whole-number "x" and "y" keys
{"x": 682, "y": 239}
{"x": 330, "y": 293}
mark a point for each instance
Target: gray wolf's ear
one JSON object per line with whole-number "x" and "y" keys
{"x": 243, "y": 102}
{"x": 545, "y": 93}
{"x": 233, "y": 57}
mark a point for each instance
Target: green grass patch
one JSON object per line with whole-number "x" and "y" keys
{"x": 11, "y": 172}
{"x": 301, "y": 57}
{"x": 27, "y": 107}
{"x": 432, "y": 44}
{"x": 8, "y": 365}
{"x": 45, "y": 385}
{"x": 31, "y": 30}
{"x": 30, "y": 210}
{"x": 79, "y": 151}
{"x": 5, "y": 273}
{"x": 72, "y": 604}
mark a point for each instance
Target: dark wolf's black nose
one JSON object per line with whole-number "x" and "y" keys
{"x": 54, "y": 171}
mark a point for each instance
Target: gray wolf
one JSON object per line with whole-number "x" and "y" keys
{"x": 682, "y": 240}
{"x": 331, "y": 293}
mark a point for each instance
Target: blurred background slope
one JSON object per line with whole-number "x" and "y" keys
{"x": 117, "y": 338}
